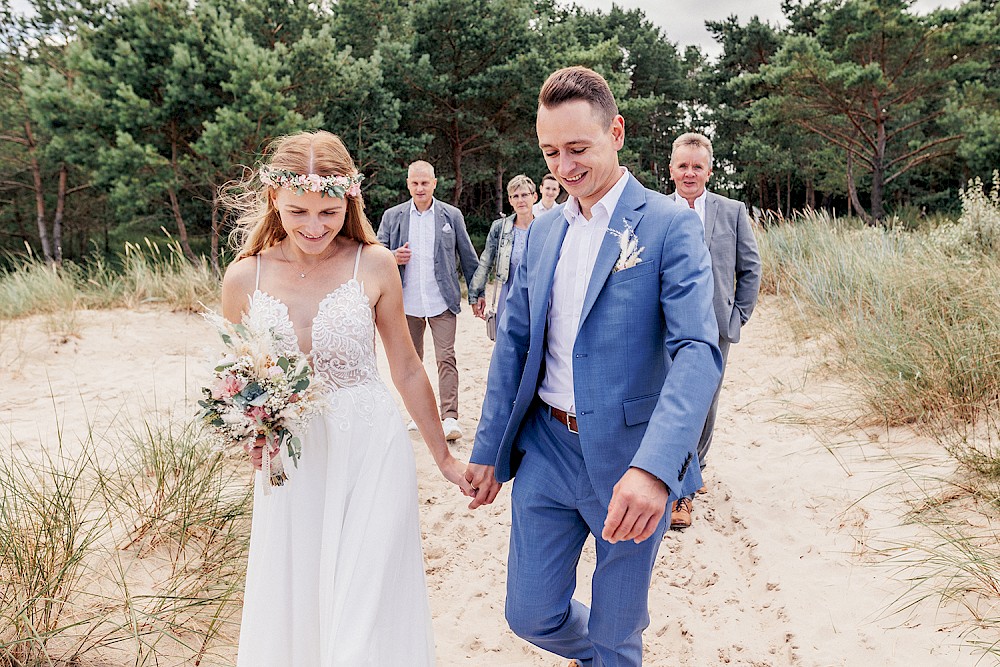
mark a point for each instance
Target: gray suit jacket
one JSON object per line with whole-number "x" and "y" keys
{"x": 451, "y": 245}
{"x": 735, "y": 262}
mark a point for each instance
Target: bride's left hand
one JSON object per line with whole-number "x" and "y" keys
{"x": 454, "y": 472}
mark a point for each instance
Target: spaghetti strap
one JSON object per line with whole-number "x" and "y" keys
{"x": 357, "y": 260}
{"x": 256, "y": 284}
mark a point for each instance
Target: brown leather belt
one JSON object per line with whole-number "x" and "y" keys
{"x": 565, "y": 418}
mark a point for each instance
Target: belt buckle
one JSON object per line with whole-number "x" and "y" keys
{"x": 569, "y": 426}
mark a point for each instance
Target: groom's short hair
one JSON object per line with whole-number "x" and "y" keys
{"x": 579, "y": 83}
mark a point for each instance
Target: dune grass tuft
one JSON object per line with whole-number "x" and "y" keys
{"x": 918, "y": 329}
{"x": 152, "y": 272}
{"x": 138, "y": 556}
{"x": 915, "y": 318}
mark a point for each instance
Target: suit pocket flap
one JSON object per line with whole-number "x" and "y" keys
{"x": 637, "y": 271}
{"x": 639, "y": 410}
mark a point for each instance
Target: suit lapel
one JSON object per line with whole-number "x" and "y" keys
{"x": 542, "y": 287}
{"x": 711, "y": 213}
{"x": 404, "y": 224}
{"x": 439, "y": 222}
{"x": 626, "y": 214}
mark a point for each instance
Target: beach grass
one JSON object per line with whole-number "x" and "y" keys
{"x": 917, "y": 326}
{"x": 914, "y": 318}
{"x": 130, "y": 551}
{"x": 151, "y": 272}
{"x": 51, "y": 520}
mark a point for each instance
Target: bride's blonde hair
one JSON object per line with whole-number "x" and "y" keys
{"x": 258, "y": 225}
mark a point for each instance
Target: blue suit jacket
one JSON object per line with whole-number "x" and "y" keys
{"x": 646, "y": 357}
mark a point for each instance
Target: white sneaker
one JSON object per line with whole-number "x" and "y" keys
{"x": 412, "y": 426}
{"x": 451, "y": 429}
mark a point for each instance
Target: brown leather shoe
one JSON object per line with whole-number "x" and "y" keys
{"x": 680, "y": 514}
{"x": 573, "y": 663}
{"x": 702, "y": 490}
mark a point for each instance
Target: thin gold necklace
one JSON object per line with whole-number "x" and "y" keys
{"x": 303, "y": 274}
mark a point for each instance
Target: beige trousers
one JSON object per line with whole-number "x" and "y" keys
{"x": 443, "y": 333}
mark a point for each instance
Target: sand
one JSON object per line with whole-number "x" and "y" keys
{"x": 787, "y": 562}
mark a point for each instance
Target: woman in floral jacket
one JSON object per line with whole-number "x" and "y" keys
{"x": 504, "y": 245}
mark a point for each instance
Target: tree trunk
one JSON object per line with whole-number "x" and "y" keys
{"x": 57, "y": 220}
{"x": 36, "y": 177}
{"x": 777, "y": 196}
{"x": 175, "y": 206}
{"x": 499, "y": 191}
{"x": 878, "y": 173}
{"x": 810, "y": 194}
{"x": 456, "y": 164}
{"x": 852, "y": 191}
{"x": 215, "y": 231}
{"x": 788, "y": 194}
{"x": 182, "y": 235}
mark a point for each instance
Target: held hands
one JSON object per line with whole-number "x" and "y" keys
{"x": 638, "y": 502}
{"x": 479, "y": 308}
{"x": 484, "y": 485}
{"x": 403, "y": 254}
{"x": 454, "y": 472}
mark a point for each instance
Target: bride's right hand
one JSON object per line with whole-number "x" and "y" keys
{"x": 256, "y": 451}
{"x": 454, "y": 472}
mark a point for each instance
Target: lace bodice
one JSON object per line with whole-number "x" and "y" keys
{"x": 343, "y": 333}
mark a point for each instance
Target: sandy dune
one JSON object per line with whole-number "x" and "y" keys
{"x": 785, "y": 564}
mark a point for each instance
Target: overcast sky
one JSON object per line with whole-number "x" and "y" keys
{"x": 684, "y": 25}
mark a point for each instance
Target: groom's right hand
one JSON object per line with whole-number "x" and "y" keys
{"x": 484, "y": 484}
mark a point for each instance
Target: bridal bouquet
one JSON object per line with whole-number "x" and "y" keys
{"x": 259, "y": 389}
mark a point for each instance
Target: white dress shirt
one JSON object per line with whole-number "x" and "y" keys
{"x": 569, "y": 288}
{"x": 699, "y": 204}
{"x": 538, "y": 208}
{"x": 421, "y": 294}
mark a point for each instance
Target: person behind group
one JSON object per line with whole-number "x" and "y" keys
{"x": 602, "y": 374}
{"x": 335, "y": 574}
{"x": 505, "y": 245}
{"x": 735, "y": 267}
{"x": 425, "y": 235}
{"x": 549, "y": 189}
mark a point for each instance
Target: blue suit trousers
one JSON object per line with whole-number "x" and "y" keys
{"x": 554, "y": 510}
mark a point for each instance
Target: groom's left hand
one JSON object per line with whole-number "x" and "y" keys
{"x": 638, "y": 502}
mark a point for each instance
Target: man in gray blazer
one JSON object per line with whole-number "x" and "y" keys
{"x": 426, "y": 236}
{"x": 735, "y": 266}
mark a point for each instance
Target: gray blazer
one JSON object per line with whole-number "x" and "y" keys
{"x": 451, "y": 245}
{"x": 735, "y": 262}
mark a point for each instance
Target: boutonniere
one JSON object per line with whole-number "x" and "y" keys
{"x": 629, "y": 250}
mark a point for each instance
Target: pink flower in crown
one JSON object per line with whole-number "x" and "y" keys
{"x": 355, "y": 189}
{"x": 314, "y": 182}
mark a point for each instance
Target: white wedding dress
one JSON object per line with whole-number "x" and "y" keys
{"x": 336, "y": 574}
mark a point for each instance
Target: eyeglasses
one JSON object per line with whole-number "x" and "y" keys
{"x": 522, "y": 195}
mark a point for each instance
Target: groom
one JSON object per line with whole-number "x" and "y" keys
{"x": 604, "y": 368}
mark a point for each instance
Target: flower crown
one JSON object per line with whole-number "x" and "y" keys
{"x": 328, "y": 186}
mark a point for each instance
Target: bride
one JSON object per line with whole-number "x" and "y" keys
{"x": 335, "y": 574}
